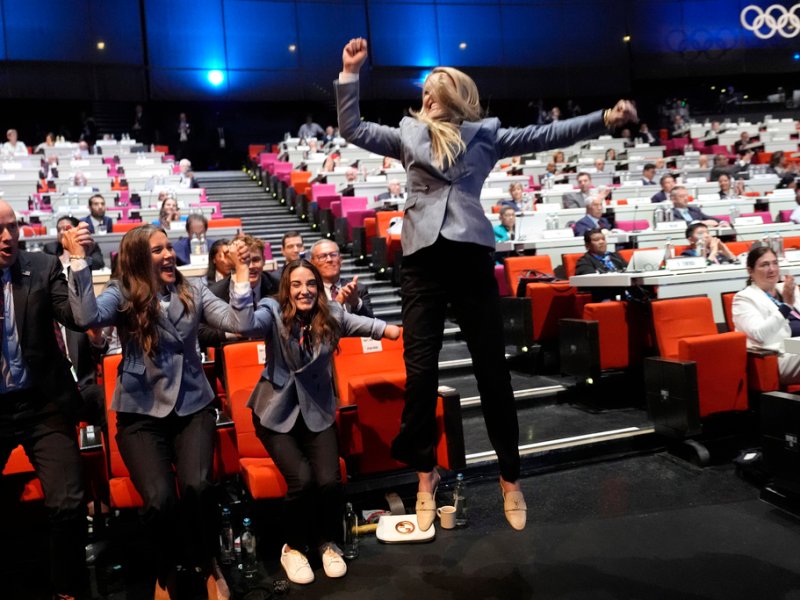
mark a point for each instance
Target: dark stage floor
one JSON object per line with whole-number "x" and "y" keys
{"x": 647, "y": 527}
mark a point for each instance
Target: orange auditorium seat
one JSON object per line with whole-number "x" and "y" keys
{"x": 517, "y": 266}
{"x": 685, "y": 330}
{"x": 224, "y": 222}
{"x": 370, "y": 380}
{"x": 18, "y": 466}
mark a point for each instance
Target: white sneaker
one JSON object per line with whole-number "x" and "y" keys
{"x": 296, "y": 566}
{"x": 332, "y": 561}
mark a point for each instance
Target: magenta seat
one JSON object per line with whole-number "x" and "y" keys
{"x": 355, "y": 218}
{"x": 336, "y": 208}
{"x": 502, "y": 282}
{"x": 324, "y": 202}
{"x": 322, "y": 189}
{"x": 267, "y": 158}
{"x": 726, "y": 218}
{"x": 351, "y": 203}
{"x": 637, "y": 225}
{"x": 784, "y": 215}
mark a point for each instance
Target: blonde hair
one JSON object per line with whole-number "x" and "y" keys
{"x": 460, "y": 102}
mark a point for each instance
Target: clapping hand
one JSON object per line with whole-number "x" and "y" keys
{"x": 789, "y": 290}
{"x": 354, "y": 55}
{"x": 77, "y": 240}
{"x": 348, "y": 293}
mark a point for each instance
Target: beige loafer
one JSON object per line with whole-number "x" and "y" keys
{"x": 515, "y": 509}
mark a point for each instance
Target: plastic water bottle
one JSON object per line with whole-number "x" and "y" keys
{"x": 226, "y": 538}
{"x": 203, "y": 245}
{"x": 249, "y": 559}
{"x": 196, "y": 245}
{"x": 460, "y": 501}
{"x": 350, "y": 532}
{"x": 669, "y": 251}
{"x": 700, "y": 248}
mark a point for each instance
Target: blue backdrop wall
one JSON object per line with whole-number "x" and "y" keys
{"x": 273, "y": 50}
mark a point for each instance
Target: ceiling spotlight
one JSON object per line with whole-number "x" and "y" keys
{"x": 713, "y": 87}
{"x": 101, "y": 45}
{"x": 626, "y": 39}
{"x": 462, "y": 46}
{"x": 292, "y": 47}
{"x": 216, "y": 77}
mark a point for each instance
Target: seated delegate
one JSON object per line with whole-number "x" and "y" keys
{"x": 768, "y": 311}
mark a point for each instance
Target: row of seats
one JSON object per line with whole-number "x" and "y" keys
{"x": 370, "y": 382}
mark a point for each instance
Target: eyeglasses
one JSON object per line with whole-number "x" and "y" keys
{"x": 327, "y": 256}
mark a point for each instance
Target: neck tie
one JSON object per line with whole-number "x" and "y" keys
{"x": 334, "y": 291}
{"x": 607, "y": 262}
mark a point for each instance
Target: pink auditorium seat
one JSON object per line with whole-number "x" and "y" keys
{"x": 322, "y": 189}
{"x": 637, "y": 225}
{"x": 765, "y": 216}
{"x": 267, "y": 158}
{"x": 324, "y": 202}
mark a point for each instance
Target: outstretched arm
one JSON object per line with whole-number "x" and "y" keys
{"x": 536, "y": 138}
{"x": 380, "y": 139}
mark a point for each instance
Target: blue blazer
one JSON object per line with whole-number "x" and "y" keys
{"x": 173, "y": 378}
{"x": 285, "y": 391}
{"x": 446, "y": 201}
{"x": 695, "y": 214}
{"x": 586, "y": 224}
{"x": 107, "y": 220}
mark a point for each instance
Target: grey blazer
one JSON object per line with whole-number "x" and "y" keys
{"x": 447, "y": 202}
{"x": 173, "y": 378}
{"x": 286, "y": 390}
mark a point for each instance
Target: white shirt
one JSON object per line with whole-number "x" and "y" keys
{"x": 9, "y": 150}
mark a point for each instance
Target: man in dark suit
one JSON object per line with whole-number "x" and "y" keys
{"x": 580, "y": 198}
{"x": 683, "y": 212}
{"x": 97, "y": 218}
{"x": 394, "y": 193}
{"x": 38, "y": 396}
{"x": 667, "y": 182}
{"x": 94, "y": 256}
{"x": 648, "y": 174}
{"x": 594, "y": 218}
{"x": 599, "y": 260}
{"x": 352, "y": 295}
{"x": 196, "y": 226}
{"x": 263, "y": 285}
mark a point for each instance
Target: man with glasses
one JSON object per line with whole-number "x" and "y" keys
{"x": 352, "y": 295}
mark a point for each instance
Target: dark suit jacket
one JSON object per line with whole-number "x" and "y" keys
{"x": 659, "y": 196}
{"x": 387, "y": 196}
{"x": 107, "y": 220}
{"x": 366, "y": 304}
{"x": 40, "y": 295}
{"x": 183, "y": 249}
{"x": 586, "y": 224}
{"x": 210, "y": 337}
{"x": 695, "y": 213}
{"x": 589, "y": 264}
{"x": 94, "y": 258}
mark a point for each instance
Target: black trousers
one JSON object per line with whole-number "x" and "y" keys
{"x": 462, "y": 275}
{"x": 50, "y": 441}
{"x": 309, "y": 462}
{"x": 170, "y": 460}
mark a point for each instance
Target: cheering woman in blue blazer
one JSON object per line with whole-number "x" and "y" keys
{"x": 448, "y": 150}
{"x": 294, "y": 410}
{"x": 165, "y": 421}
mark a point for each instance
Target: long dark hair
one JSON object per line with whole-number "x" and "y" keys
{"x": 319, "y": 324}
{"x": 211, "y": 273}
{"x": 757, "y": 251}
{"x": 140, "y": 287}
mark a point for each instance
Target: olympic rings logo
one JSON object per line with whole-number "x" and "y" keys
{"x": 775, "y": 18}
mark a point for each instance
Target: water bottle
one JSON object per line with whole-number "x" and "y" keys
{"x": 700, "y": 248}
{"x": 460, "y": 501}
{"x": 658, "y": 217}
{"x": 734, "y": 212}
{"x": 555, "y": 221}
{"x": 249, "y": 559}
{"x": 350, "y": 532}
{"x": 779, "y": 245}
{"x": 669, "y": 251}
{"x": 226, "y": 538}
{"x": 196, "y": 245}
{"x": 203, "y": 244}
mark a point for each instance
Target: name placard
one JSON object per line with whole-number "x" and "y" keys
{"x": 671, "y": 226}
{"x": 557, "y": 234}
{"x": 738, "y": 221}
{"x": 682, "y": 263}
{"x": 368, "y": 345}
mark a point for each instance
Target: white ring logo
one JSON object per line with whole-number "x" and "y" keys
{"x": 776, "y": 19}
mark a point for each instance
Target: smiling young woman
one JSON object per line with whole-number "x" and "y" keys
{"x": 165, "y": 421}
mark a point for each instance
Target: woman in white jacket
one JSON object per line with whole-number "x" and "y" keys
{"x": 768, "y": 312}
